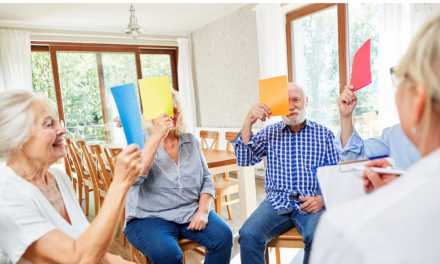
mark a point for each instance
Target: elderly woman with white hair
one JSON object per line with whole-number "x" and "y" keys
{"x": 173, "y": 200}
{"x": 40, "y": 218}
{"x": 399, "y": 222}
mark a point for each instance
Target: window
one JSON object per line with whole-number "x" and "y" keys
{"x": 42, "y": 80}
{"x": 315, "y": 63}
{"x": 363, "y": 23}
{"x": 83, "y": 75}
{"x": 321, "y": 41}
{"x": 80, "y": 92}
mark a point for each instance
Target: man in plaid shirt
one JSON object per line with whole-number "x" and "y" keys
{"x": 294, "y": 149}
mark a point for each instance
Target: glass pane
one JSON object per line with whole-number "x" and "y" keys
{"x": 315, "y": 63}
{"x": 42, "y": 80}
{"x": 80, "y": 92}
{"x": 364, "y": 24}
{"x": 156, "y": 65}
{"x": 119, "y": 68}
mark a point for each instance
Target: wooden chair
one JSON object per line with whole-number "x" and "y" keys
{"x": 209, "y": 139}
{"x": 70, "y": 170}
{"x": 225, "y": 186}
{"x": 230, "y": 137}
{"x": 84, "y": 186}
{"x": 289, "y": 239}
{"x": 98, "y": 185}
{"x": 104, "y": 170}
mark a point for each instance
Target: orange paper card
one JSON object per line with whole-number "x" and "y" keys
{"x": 273, "y": 93}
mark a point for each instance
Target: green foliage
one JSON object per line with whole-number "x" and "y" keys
{"x": 79, "y": 82}
{"x": 42, "y": 80}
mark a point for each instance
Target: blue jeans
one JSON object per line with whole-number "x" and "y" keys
{"x": 158, "y": 239}
{"x": 264, "y": 224}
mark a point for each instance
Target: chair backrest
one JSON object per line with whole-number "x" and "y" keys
{"x": 104, "y": 171}
{"x": 110, "y": 154}
{"x": 76, "y": 162}
{"x": 230, "y": 137}
{"x": 209, "y": 139}
{"x": 99, "y": 189}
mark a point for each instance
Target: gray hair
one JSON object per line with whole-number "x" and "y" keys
{"x": 16, "y": 119}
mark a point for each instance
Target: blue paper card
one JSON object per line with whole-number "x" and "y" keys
{"x": 126, "y": 99}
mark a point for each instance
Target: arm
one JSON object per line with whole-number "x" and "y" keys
{"x": 159, "y": 130}
{"x": 200, "y": 219}
{"x": 251, "y": 149}
{"x": 91, "y": 246}
{"x": 346, "y": 103}
{"x": 332, "y": 155}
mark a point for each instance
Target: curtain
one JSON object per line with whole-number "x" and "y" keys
{"x": 271, "y": 39}
{"x": 394, "y": 36}
{"x": 398, "y": 24}
{"x": 186, "y": 85}
{"x": 15, "y": 60}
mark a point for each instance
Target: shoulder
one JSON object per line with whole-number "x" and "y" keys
{"x": 273, "y": 127}
{"x": 320, "y": 128}
{"x": 188, "y": 137}
{"x": 12, "y": 188}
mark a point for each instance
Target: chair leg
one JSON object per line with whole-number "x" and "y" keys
{"x": 185, "y": 256}
{"x": 87, "y": 198}
{"x": 218, "y": 203}
{"x": 278, "y": 255}
{"x": 266, "y": 255}
{"x": 228, "y": 208}
{"x": 80, "y": 191}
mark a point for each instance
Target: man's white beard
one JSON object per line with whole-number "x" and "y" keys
{"x": 295, "y": 121}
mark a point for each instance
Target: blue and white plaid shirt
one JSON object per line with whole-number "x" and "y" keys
{"x": 292, "y": 160}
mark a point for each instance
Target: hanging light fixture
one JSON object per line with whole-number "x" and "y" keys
{"x": 133, "y": 29}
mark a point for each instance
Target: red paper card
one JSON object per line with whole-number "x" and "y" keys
{"x": 361, "y": 67}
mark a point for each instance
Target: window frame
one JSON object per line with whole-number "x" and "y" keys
{"x": 137, "y": 50}
{"x": 342, "y": 37}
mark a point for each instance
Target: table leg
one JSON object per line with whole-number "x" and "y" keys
{"x": 247, "y": 191}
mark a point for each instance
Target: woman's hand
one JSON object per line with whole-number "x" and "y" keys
{"x": 128, "y": 165}
{"x": 199, "y": 221}
{"x": 373, "y": 180}
{"x": 347, "y": 102}
{"x": 161, "y": 126}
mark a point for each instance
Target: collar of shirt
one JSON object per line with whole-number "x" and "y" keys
{"x": 308, "y": 123}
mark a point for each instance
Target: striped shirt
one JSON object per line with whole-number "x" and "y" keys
{"x": 292, "y": 160}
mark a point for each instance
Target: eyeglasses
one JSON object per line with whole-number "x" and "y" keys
{"x": 397, "y": 80}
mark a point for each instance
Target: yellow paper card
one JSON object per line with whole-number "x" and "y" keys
{"x": 156, "y": 97}
{"x": 273, "y": 93}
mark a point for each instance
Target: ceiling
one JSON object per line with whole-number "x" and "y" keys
{"x": 155, "y": 19}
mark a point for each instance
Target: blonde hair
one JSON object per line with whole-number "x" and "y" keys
{"x": 421, "y": 63}
{"x": 180, "y": 124}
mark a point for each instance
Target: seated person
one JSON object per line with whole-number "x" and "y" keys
{"x": 40, "y": 218}
{"x": 397, "y": 223}
{"x": 294, "y": 148}
{"x": 393, "y": 142}
{"x": 172, "y": 200}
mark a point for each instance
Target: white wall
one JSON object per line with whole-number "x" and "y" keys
{"x": 226, "y": 69}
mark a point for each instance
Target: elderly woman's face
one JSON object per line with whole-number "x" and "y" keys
{"x": 405, "y": 107}
{"x": 46, "y": 143}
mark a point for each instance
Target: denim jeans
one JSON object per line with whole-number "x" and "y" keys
{"x": 264, "y": 224}
{"x": 158, "y": 239}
